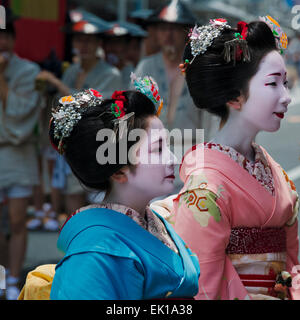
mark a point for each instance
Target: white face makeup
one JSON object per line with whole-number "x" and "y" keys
{"x": 154, "y": 175}
{"x": 268, "y": 95}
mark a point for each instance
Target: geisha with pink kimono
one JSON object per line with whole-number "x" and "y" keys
{"x": 238, "y": 208}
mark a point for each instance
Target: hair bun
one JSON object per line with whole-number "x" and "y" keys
{"x": 260, "y": 35}
{"x": 212, "y": 82}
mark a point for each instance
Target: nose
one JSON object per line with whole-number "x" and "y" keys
{"x": 286, "y": 98}
{"x": 171, "y": 158}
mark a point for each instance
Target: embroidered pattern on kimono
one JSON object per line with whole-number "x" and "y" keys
{"x": 293, "y": 192}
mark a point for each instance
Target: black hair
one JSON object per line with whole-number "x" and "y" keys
{"x": 81, "y": 146}
{"x": 213, "y": 82}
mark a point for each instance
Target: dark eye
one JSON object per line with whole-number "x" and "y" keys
{"x": 286, "y": 83}
{"x": 273, "y": 84}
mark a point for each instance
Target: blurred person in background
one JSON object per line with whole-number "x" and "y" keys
{"x": 172, "y": 27}
{"x": 43, "y": 214}
{"x": 122, "y": 46}
{"x": 19, "y": 114}
{"x": 134, "y": 49}
{"x": 90, "y": 71}
{"x": 150, "y": 44}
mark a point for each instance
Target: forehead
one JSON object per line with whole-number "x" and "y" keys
{"x": 271, "y": 63}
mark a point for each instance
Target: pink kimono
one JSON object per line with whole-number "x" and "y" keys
{"x": 242, "y": 224}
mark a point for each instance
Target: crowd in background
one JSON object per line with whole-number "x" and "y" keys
{"x": 37, "y": 187}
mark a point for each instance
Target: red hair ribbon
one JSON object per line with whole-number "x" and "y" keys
{"x": 120, "y": 99}
{"x": 242, "y": 27}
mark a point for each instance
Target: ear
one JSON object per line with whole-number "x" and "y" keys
{"x": 236, "y": 103}
{"x": 120, "y": 176}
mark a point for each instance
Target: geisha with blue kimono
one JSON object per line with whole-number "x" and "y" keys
{"x": 119, "y": 249}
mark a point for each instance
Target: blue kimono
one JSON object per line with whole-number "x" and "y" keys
{"x": 108, "y": 256}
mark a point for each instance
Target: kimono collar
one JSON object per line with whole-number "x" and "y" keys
{"x": 149, "y": 222}
{"x": 133, "y": 214}
{"x": 190, "y": 162}
{"x": 259, "y": 154}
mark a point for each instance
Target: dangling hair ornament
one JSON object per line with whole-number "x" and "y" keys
{"x": 69, "y": 111}
{"x": 238, "y": 47}
{"x": 123, "y": 121}
{"x": 279, "y": 34}
{"x": 184, "y": 65}
{"x": 149, "y": 88}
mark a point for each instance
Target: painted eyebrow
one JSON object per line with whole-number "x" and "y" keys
{"x": 276, "y": 74}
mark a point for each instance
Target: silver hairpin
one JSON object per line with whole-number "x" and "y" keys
{"x": 202, "y": 37}
{"x": 69, "y": 111}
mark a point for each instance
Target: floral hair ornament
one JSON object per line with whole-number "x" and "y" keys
{"x": 238, "y": 47}
{"x": 149, "y": 88}
{"x": 279, "y": 34}
{"x": 123, "y": 121}
{"x": 117, "y": 107}
{"x": 69, "y": 111}
{"x": 201, "y": 38}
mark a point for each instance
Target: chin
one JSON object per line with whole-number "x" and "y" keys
{"x": 274, "y": 129}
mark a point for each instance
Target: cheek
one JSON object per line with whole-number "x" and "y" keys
{"x": 144, "y": 174}
{"x": 257, "y": 92}
{"x": 260, "y": 103}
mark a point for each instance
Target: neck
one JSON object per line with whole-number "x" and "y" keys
{"x": 239, "y": 135}
{"x": 87, "y": 64}
{"x": 124, "y": 197}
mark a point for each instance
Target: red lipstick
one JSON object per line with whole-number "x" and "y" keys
{"x": 171, "y": 176}
{"x": 279, "y": 115}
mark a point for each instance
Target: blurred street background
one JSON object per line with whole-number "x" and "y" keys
{"x": 41, "y": 37}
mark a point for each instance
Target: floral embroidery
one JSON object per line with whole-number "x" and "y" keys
{"x": 202, "y": 204}
{"x": 201, "y": 201}
{"x": 290, "y": 182}
{"x": 297, "y": 202}
{"x": 197, "y": 181}
{"x": 220, "y": 190}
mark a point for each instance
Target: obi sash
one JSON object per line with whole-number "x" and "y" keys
{"x": 245, "y": 240}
